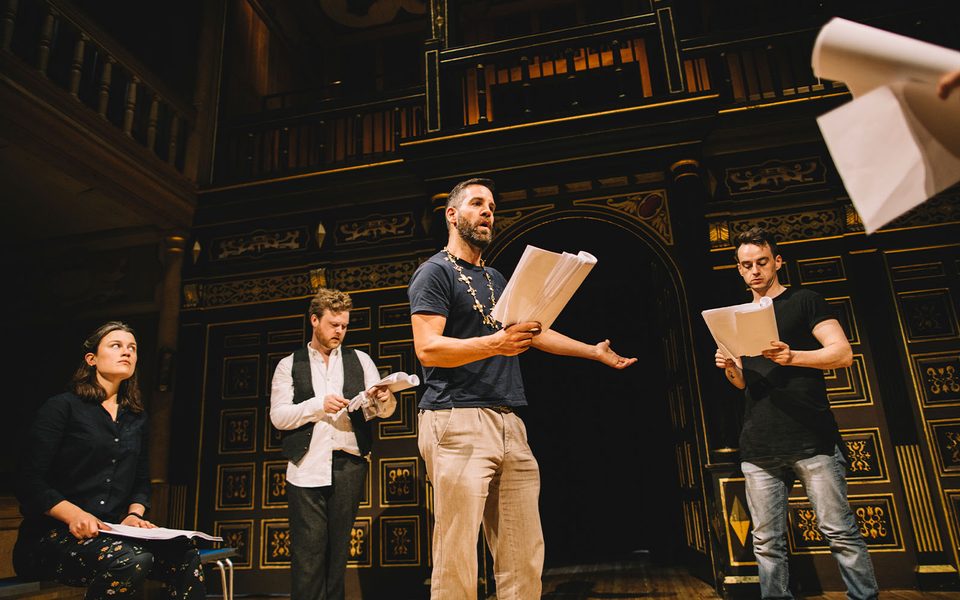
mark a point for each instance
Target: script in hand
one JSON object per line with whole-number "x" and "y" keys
{"x": 743, "y": 329}
{"x": 159, "y": 533}
{"x": 541, "y": 286}
{"x": 897, "y": 143}
{"x": 395, "y": 382}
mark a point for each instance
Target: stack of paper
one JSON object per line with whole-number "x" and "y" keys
{"x": 897, "y": 143}
{"x": 157, "y": 533}
{"x": 541, "y": 286}
{"x": 743, "y": 329}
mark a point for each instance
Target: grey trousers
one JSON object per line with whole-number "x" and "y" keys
{"x": 320, "y": 522}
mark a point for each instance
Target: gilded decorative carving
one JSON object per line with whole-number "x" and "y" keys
{"x": 374, "y": 276}
{"x": 865, "y": 458}
{"x": 394, "y": 315}
{"x": 805, "y": 225}
{"x": 400, "y": 541}
{"x": 939, "y": 377}
{"x": 650, "y": 209}
{"x": 858, "y": 456}
{"x": 876, "y": 521}
{"x": 238, "y": 430}
{"x": 806, "y": 524}
{"x": 775, "y": 176}
{"x": 237, "y": 534}
{"x": 821, "y": 270}
{"x": 873, "y": 521}
{"x": 258, "y": 244}
{"x": 399, "y": 482}
{"x": 360, "y": 540}
{"x": 241, "y": 375}
{"x": 508, "y": 218}
{"x": 235, "y": 486}
{"x": 375, "y": 228}
{"x": 275, "y": 484}
{"x": 946, "y": 434}
{"x": 928, "y": 314}
{"x": 254, "y": 290}
{"x": 736, "y": 523}
{"x": 274, "y": 544}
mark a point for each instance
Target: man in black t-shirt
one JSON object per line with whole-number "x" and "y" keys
{"x": 788, "y": 429}
{"x": 473, "y": 445}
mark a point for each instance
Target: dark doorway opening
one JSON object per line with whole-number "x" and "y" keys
{"x": 603, "y": 437}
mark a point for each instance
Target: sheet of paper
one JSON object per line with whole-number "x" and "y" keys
{"x": 896, "y": 144}
{"x": 541, "y": 286}
{"x": 743, "y": 329}
{"x": 395, "y": 382}
{"x": 159, "y": 533}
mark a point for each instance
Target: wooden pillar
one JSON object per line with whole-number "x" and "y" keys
{"x": 8, "y": 18}
{"x": 106, "y": 78}
{"x": 76, "y": 67}
{"x": 161, "y": 400}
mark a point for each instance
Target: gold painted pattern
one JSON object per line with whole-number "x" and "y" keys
{"x": 919, "y": 503}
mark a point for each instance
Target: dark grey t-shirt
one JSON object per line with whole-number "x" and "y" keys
{"x": 787, "y": 413}
{"x": 495, "y": 381}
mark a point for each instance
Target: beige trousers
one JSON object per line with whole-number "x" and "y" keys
{"x": 482, "y": 470}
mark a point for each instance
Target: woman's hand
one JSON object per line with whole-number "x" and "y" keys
{"x": 135, "y": 521}
{"x": 83, "y": 525}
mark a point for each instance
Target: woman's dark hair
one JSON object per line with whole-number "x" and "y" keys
{"x": 84, "y": 382}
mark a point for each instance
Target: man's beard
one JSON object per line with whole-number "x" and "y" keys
{"x": 470, "y": 235}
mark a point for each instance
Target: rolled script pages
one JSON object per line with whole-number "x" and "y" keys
{"x": 541, "y": 286}
{"x": 743, "y": 329}
{"x": 896, "y": 144}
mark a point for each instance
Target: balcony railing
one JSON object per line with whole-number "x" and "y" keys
{"x": 762, "y": 70}
{"x": 86, "y": 63}
{"x": 578, "y": 70}
{"x": 284, "y": 142}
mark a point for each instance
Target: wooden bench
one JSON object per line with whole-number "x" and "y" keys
{"x": 220, "y": 557}
{"x": 14, "y": 587}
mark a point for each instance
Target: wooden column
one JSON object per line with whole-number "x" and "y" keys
{"x": 161, "y": 400}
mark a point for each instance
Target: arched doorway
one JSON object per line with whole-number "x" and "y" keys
{"x": 603, "y": 437}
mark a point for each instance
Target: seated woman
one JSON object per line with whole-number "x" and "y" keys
{"x": 84, "y": 465}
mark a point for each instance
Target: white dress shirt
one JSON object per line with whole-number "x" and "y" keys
{"x": 329, "y": 433}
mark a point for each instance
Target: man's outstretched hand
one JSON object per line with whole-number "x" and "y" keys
{"x": 607, "y": 356}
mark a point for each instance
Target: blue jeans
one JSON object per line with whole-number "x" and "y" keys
{"x": 823, "y": 476}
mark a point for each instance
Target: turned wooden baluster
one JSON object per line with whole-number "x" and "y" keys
{"x": 284, "y": 142}
{"x": 131, "y": 106}
{"x": 481, "y": 94}
{"x": 9, "y": 18}
{"x": 618, "y": 69}
{"x": 174, "y": 138}
{"x": 46, "y": 38}
{"x": 525, "y": 84}
{"x": 397, "y": 115}
{"x": 76, "y": 67}
{"x": 152, "y": 123}
{"x": 572, "y": 78}
{"x": 104, "y": 88}
{"x": 358, "y": 134}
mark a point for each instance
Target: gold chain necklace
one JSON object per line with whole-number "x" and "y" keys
{"x": 488, "y": 320}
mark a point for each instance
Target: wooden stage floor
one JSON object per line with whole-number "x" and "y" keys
{"x": 642, "y": 581}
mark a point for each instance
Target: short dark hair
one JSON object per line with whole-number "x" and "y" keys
{"x": 455, "y": 197}
{"x": 756, "y": 236}
{"x": 333, "y": 300}
{"x": 84, "y": 381}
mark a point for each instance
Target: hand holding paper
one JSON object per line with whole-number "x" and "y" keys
{"x": 541, "y": 286}
{"x": 395, "y": 382}
{"x": 156, "y": 533}
{"x": 743, "y": 329}
{"x": 897, "y": 143}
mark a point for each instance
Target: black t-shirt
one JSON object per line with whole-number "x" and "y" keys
{"x": 495, "y": 381}
{"x": 787, "y": 411}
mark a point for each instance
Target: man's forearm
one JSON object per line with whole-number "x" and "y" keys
{"x": 449, "y": 352}
{"x": 555, "y": 342}
{"x": 835, "y": 356}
